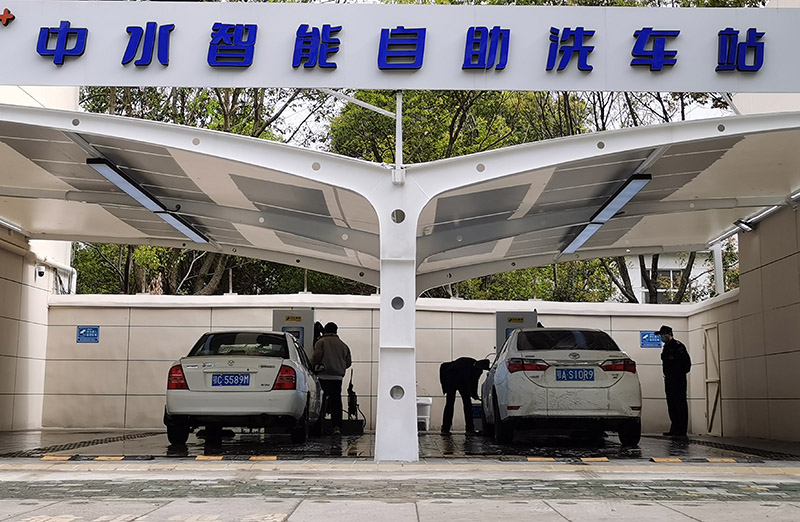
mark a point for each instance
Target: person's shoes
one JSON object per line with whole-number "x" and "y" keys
{"x": 445, "y": 432}
{"x": 472, "y": 433}
{"x": 668, "y": 434}
{"x": 337, "y": 431}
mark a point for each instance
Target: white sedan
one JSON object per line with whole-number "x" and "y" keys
{"x": 242, "y": 379}
{"x": 565, "y": 379}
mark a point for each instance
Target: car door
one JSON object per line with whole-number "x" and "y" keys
{"x": 490, "y": 384}
{"x": 314, "y": 390}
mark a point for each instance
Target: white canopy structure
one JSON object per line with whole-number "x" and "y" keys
{"x": 667, "y": 188}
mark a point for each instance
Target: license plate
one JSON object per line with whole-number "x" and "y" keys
{"x": 574, "y": 374}
{"x": 230, "y": 379}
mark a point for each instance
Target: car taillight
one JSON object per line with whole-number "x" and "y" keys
{"x": 176, "y": 379}
{"x": 526, "y": 365}
{"x": 619, "y": 365}
{"x": 286, "y": 379}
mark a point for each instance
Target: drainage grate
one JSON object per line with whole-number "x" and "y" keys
{"x": 767, "y": 454}
{"x": 37, "y": 452}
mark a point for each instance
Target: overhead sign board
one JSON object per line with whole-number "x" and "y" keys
{"x": 398, "y": 46}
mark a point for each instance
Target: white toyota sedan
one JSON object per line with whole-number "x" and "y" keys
{"x": 565, "y": 379}
{"x": 242, "y": 379}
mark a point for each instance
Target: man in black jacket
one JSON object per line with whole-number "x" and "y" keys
{"x": 675, "y": 363}
{"x": 460, "y": 376}
{"x": 331, "y": 358}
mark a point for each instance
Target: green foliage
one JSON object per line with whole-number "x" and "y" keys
{"x": 443, "y": 124}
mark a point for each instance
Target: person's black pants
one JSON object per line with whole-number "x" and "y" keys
{"x": 332, "y": 398}
{"x": 449, "y": 407}
{"x": 677, "y": 407}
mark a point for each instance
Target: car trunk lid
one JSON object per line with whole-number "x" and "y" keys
{"x": 222, "y": 373}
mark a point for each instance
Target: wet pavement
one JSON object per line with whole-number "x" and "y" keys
{"x": 137, "y": 444}
{"x": 124, "y": 476}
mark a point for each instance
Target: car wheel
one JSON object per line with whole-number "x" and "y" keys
{"x": 487, "y": 428}
{"x": 503, "y": 431}
{"x": 177, "y": 434}
{"x": 630, "y": 432}
{"x": 299, "y": 434}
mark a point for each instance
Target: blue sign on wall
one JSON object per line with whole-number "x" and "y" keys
{"x": 649, "y": 340}
{"x": 88, "y": 334}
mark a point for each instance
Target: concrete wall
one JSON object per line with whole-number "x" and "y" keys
{"x": 120, "y": 381}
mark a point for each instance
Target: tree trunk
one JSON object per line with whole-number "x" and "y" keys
{"x": 623, "y": 282}
{"x": 686, "y": 274}
{"x": 650, "y": 280}
{"x": 213, "y": 283}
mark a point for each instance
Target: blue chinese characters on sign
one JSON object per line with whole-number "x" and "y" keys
{"x": 55, "y": 41}
{"x": 483, "y": 46}
{"x": 88, "y": 334}
{"x": 149, "y": 33}
{"x": 651, "y": 48}
{"x": 649, "y": 340}
{"x": 314, "y": 47}
{"x": 733, "y": 54}
{"x": 401, "y": 48}
{"x": 232, "y": 45}
{"x": 559, "y": 45}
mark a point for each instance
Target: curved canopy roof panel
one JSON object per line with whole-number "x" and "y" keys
{"x": 49, "y": 191}
{"x": 487, "y": 213}
{"x": 696, "y": 185}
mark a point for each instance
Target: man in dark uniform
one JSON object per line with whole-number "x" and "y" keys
{"x": 675, "y": 363}
{"x": 461, "y": 376}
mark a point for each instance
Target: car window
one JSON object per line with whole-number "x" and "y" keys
{"x": 503, "y": 349}
{"x": 242, "y": 343}
{"x": 565, "y": 340}
{"x": 302, "y": 354}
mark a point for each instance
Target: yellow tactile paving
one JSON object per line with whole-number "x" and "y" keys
{"x": 541, "y": 459}
{"x": 594, "y": 459}
{"x": 666, "y": 459}
{"x": 55, "y": 457}
{"x": 264, "y": 457}
{"x": 208, "y": 457}
{"x": 109, "y": 457}
{"x": 721, "y": 459}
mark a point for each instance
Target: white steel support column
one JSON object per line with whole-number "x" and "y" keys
{"x": 399, "y": 205}
{"x": 398, "y": 208}
{"x": 719, "y": 271}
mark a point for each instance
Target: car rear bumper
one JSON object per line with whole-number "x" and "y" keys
{"x": 235, "y": 404}
{"x": 611, "y": 423}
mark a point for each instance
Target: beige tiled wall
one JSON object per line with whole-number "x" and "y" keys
{"x": 760, "y": 348}
{"x": 140, "y": 336}
{"x": 23, "y": 331}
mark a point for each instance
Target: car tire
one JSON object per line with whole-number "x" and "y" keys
{"x": 177, "y": 434}
{"x": 487, "y": 428}
{"x": 299, "y": 434}
{"x": 503, "y": 431}
{"x": 630, "y": 432}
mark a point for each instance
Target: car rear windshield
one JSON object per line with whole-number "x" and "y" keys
{"x": 566, "y": 340}
{"x": 242, "y": 343}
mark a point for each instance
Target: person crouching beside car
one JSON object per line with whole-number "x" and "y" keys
{"x": 460, "y": 376}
